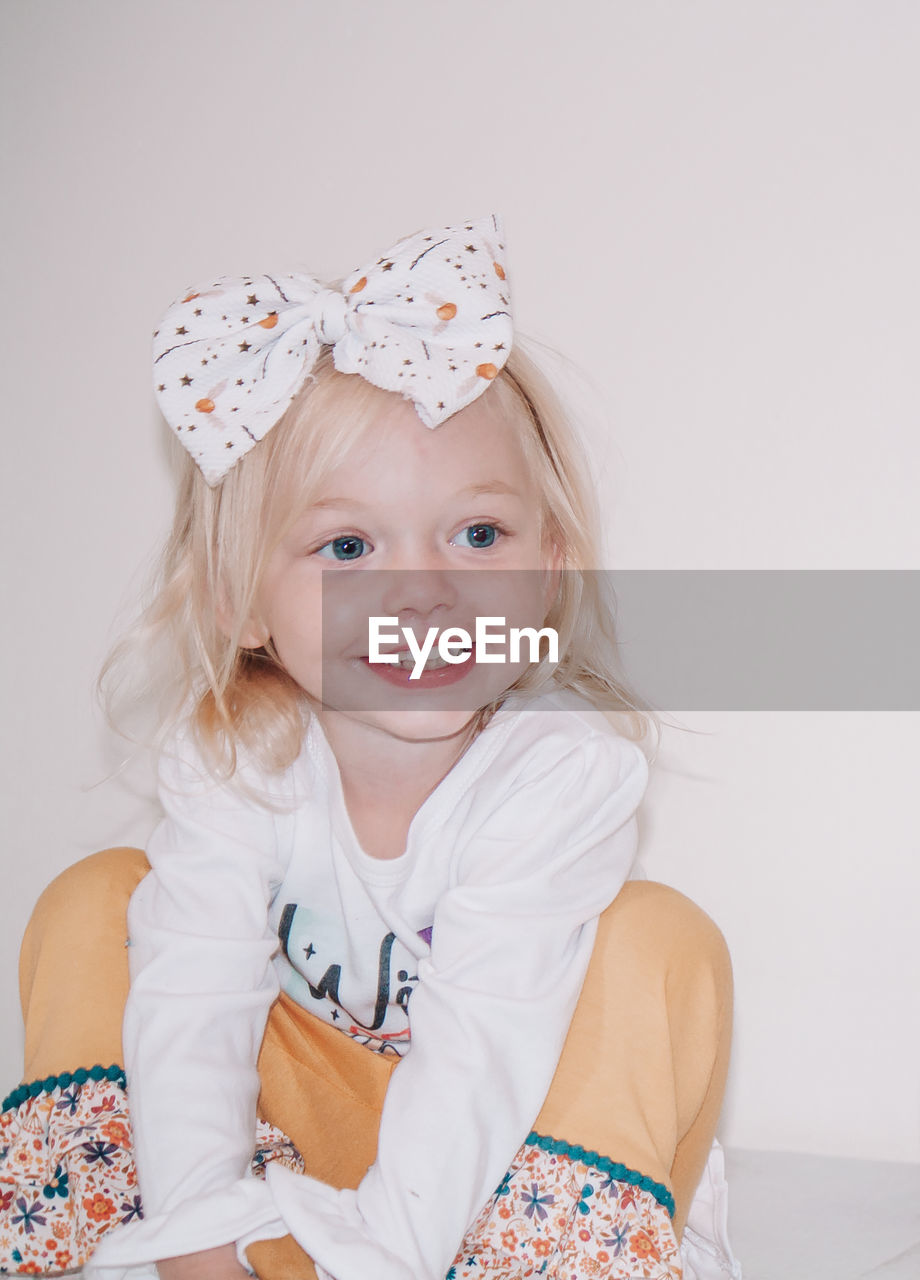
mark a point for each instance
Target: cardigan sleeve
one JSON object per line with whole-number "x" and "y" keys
{"x": 511, "y": 943}
{"x": 202, "y": 981}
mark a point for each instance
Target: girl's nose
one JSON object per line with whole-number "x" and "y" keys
{"x": 419, "y": 593}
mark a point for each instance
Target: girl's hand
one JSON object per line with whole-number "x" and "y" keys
{"x": 210, "y": 1264}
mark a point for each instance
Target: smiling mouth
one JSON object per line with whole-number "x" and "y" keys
{"x": 435, "y": 674}
{"x": 407, "y": 660}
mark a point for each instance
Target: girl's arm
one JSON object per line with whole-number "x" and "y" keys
{"x": 212, "y": 1264}
{"x": 511, "y": 944}
{"x": 202, "y": 982}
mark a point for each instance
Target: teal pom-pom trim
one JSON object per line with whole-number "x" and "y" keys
{"x": 114, "y": 1074}
{"x": 618, "y": 1172}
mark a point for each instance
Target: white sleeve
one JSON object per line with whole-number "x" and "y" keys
{"x": 510, "y": 948}
{"x": 202, "y": 982}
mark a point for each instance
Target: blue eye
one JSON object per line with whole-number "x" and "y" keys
{"x": 480, "y": 535}
{"x": 348, "y": 547}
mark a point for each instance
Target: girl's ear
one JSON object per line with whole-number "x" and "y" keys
{"x": 253, "y": 633}
{"x": 556, "y": 559}
{"x": 552, "y": 574}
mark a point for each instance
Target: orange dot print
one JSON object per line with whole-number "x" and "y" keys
{"x": 446, "y": 311}
{"x": 205, "y": 406}
{"x": 358, "y": 285}
{"x": 487, "y": 371}
{"x": 270, "y": 320}
{"x": 499, "y": 270}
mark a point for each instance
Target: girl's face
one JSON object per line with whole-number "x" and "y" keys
{"x": 405, "y": 529}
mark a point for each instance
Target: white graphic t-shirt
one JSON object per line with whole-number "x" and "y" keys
{"x": 476, "y": 940}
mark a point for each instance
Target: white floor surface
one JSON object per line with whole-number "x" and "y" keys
{"x": 799, "y": 1217}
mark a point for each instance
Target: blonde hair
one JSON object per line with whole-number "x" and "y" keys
{"x": 188, "y": 638}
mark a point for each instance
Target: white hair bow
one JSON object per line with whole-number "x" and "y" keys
{"x": 430, "y": 319}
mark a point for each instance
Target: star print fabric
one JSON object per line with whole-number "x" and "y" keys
{"x": 430, "y": 320}
{"x": 68, "y": 1177}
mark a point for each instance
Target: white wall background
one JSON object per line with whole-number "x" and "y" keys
{"x": 713, "y": 208}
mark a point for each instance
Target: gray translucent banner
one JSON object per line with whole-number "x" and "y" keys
{"x": 771, "y": 640}
{"x": 733, "y": 640}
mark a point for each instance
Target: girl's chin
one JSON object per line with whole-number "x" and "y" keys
{"x": 416, "y": 726}
{"x": 441, "y": 704}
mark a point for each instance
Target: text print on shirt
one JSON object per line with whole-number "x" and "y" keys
{"x": 385, "y": 1028}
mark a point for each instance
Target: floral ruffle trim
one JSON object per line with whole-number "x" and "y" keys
{"x": 611, "y": 1168}
{"x": 67, "y": 1177}
{"x": 558, "y": 1215}
{"x": 67, "y": 1173}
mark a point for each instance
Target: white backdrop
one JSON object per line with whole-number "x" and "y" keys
{"x": 713, "y": 208}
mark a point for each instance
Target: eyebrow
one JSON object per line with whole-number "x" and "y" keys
{"x": 471, "y": 491}
{"x": 489, "y": 486}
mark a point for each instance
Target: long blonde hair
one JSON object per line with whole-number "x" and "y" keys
{"x": 237, "y": 698}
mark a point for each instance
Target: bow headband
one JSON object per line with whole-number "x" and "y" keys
{"x": 430, "y": 319}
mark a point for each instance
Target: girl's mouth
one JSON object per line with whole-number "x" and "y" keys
{"x": 436, "y": 673}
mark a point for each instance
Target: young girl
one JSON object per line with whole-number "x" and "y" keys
{"x": 394, "y": 1012}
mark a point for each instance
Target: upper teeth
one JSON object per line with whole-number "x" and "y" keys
{"x": 408, "y": 661}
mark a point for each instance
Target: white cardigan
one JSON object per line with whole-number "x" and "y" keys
{"x": 482, "y": 930}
